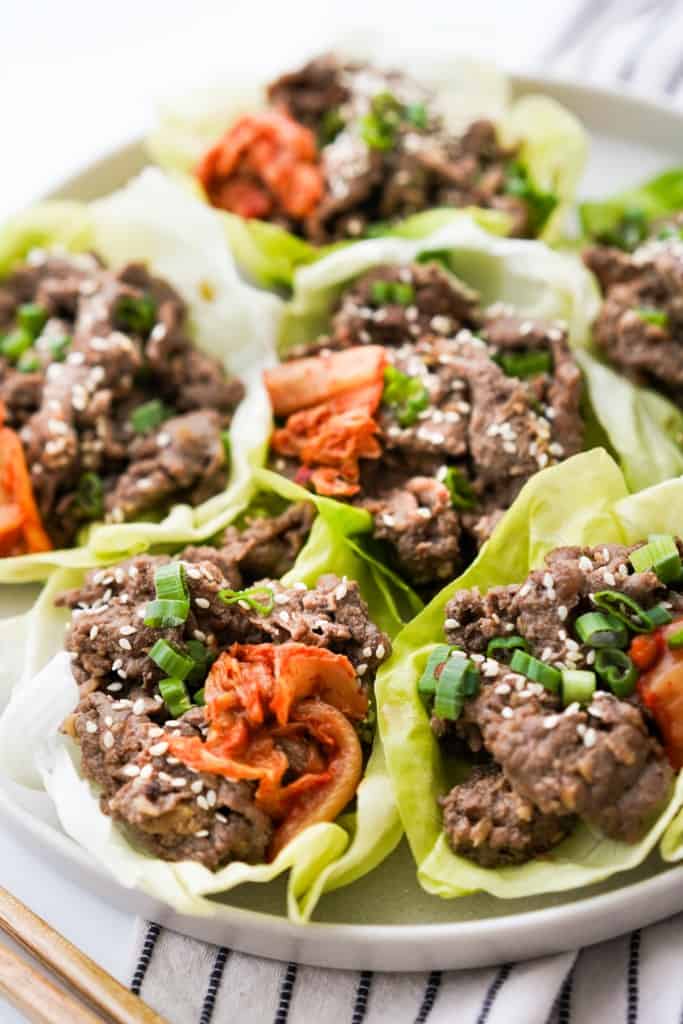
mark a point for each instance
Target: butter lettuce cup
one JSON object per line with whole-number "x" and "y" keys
{"x": 129, "y": 392}
{"x": 208, "y": 719}
{"x": 530, "y": 713}
{"x": 346, "y": 146}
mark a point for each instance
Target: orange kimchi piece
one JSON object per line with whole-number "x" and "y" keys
{"x": 661, "y": 687}
{"x": 21, "y": 528}
{"x": 336, "y": 398}
{"x": 259, "y": 697}
{"x": 264, "y": 165}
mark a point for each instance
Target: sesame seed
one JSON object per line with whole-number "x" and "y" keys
{"x": 199, "y": 635}
{"x": 202, "y": 602}
{"x": 193, "y": 572}
{"x": 502, "y": 689}
{"x": 93, "y": 632}
{"x": 388, "y": 520}
{"x": 107, "y": 740}
{"x": 550, "y": 721}
{"x": 281, "y": 598}
{"x": 108, "y": 720}
{"x": 507, "y": 712}
{"x": 380, "y": 651}
{"x": 125, "y": 644}
{"x": 202, "y": 833}
{"x": 131, "y": 770}
{"x": 139, "y": 706}
{"x": 562, "y": 612}
{"x": 367, "y": 652}
{"x": 163, "y": 439}
{"x": 572, "y": 708}
{"x": 211, "y": 797}
{"x": 158, "y": 749}
{"x": 115, "y": 687}
{"x": 609, "y": 578}
{"x": 451, "y": 623}
{"x": 362, "y": 669}
{"x": 284, "y": 616}
{"x": 127, "y": 630}
{"x": 197, "y": 786}
{"x": 91, "y": 727}
{"x": 424, "y": 513}
{"x": 300, "y": 586}
{"x": 590, "y": 738}
{"x": 203, "y": 803}
{"x": 146, "y": 771}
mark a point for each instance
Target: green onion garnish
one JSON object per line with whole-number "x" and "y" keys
{"x": 15, "y": 343}
{"x": 536, "y": 670}
{"x": 58, "y": 347}
{"x": 32, "y": 317}
{"x": 171, "y": 661}
{"x": 165, "y": 614}
{"x": 175, "y": 696}
{"x": 203, "y": 659}
{"x": 149, "y": 415}
{"x": 617, "y": 670}
{"x": 675, "y": 639}
{"x": 28, "y": 362}
{"x": 407, "y": 396}
{"x": 137, "y": 315}
{"x": 525, "y": 364}
{"x": 501, "y": 645}
{"x": 539, "y": 203}
{"x": 416, "y": 113}
{"x": 426, "y": 686}
{"x": 600, "y": 629}
{"x": 378, "y": 128}
{"x": 656, "y": 317}
{"x": 457, "y": 680}
{"x": 577, "y": 686}
{"x": 90, "y": 496}
{"x": 169, "y": 582}
{"x": 250, "y": 598}
{"x": 630, "y": 230}
{"x": 199, "y": 698}
{"x": 661, "y": 555}
{"x": 459, "y": 487}
{"x": 630, "y": 612}
{"x": 399, "y": 292}
{"x": 226, "y": 441}
{"x": 332, "y": 123}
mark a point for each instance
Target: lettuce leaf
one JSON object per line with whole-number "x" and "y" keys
{"x": 157, "y": 222}
{"x": 601, "y": 511}
{"x": 623, "y": 219}
{"x": 34, "y": 753}
{"x": 552, "y": 152}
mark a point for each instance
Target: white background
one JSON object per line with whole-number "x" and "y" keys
{"x": 77, "y": 78}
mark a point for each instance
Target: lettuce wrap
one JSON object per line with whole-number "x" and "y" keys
{"x": 40, "y": 690}
{"x": 600, "y": 511}
{"x": 624, "y": 220}
{"x": 156, "y": 222}
{"x": 551, "y": 157}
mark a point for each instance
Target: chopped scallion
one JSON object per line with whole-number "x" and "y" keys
{"x": 459, "y": 487}
{"x": 656, "y": 317}
{"x": 416, "y": 113}
{"x": 28, "y": 362}
{"x": 149, "y": 415}
{"x": 90, "y": 496}
{"x": 16, "y": 343}
{"x": 630, "y": 612}
{"x": 174, "y": 692}
{"x": 456, "y": 682}
{"x": 170, "y": 660}
{"x": 250, "y": 597}
{"x": 617, "y": 670}
{"x": 136, "y": 314}
{"x": 600, "y": 629}
{"x": 577, "y": 686}
{"x": 661, "y": 555}
{"x": 536, "y": 670}
{"x": 407, "y": 396}
{"x": 675, "y": 638}
{"x": 501, "y": 646}
{"x": 32, "y": 317}
{"x": 426, "y": 686}
{"x": 525, "y": 364}
{"x": 166, "y": 614}
{"x": 169, "y": 582}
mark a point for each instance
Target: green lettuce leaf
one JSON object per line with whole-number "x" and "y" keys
{"x": 623, "y": 220}
{"x": 601, "y": 511}
{"x": 552, "y": 152}
{"x": 156, "y": 222}
{"x": 38, "y": 684}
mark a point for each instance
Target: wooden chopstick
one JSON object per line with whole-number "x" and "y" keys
{"x": 37, "y": 998}
{"x": 73, "y": 966}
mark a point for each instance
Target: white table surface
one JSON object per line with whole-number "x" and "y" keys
{"x": 78, "y": 77}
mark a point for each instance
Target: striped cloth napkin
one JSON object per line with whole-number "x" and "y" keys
{"x": 636, "y": 45}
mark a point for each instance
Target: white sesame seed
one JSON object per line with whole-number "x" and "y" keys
{"x": 131, "y": 770}
{"x": 197, "y": 786}
{"x": 300, "y": 586}
{"x": 108, "y": 720}
{"x": 367, "y": 652}
{"x": 115, "y": 687}
{"x": 387, "y": 519}
{"x": 203, "y": 803}
{"x": 284, "y": 616}
{"x": 585, "y": 563}
{"x": 127, "y": 630}
{"x": 281, "y": 598}
{"x": 572, "y": 708}
{"x": 451, "y": 623}
{"x": 550, "y": 721}
{"x": 157, "y": 749}
{"x": 562, "y": 612}
{"x": 199, "y": 635}
{"x": 202, "y": 833}
{"x": 547, "y": 654}
{"x": 507, "y": 712}
{"x": 125, "y": 644}
{"x": 590, "y": 738}
{"x": 193, "y": 572}
{"x": 202, "y": 602}
{"x": 163, "y": 439}
{"x": 380, "y": 651}
{"x": 107, "y": 740}
{"x": 146, "y": 771}
{"x": 139, "y": 706}
{"x": 91, "y": 727}
{"x": 502, "y": 689}
{"x": 211, "y": 797}
{"x": 93, "y": 632}
{"x": 362, "y": 669}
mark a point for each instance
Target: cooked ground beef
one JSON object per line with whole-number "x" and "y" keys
{"x": 640, "y": 324}
{"x": 488, "y": 822}
{"x": 494, "y": 428}
{"x": 268, "y": 546}
{"x": 110, "y": 343}
{"x": 600, "y": 762}
{"x": 122, "y": 722}
{"x": 385, "y": 152}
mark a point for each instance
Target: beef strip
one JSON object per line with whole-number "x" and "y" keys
{"x": 488, "y": 822}
{"x": 74, "y": 412}
{"x": 268, "y": 547}
{"x": 640, "y": 324}
{"x": 600, "y": 763}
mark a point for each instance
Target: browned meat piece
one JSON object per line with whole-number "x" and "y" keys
{"x": 488, "y": 822}
{"x": 268, "y": 547}
{"x": 175, "y": 813}
{"x": 312, "y": 91}
{"x": 640, "y": 325}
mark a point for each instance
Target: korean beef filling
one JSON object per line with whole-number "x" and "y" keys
{"x": 640, "y": 325}
{"x": 218, "y": 719}
{"x": 427, "y": 412}
{"x": 564, "y": 691}
{"x": 110, "y": 412}
{"x": 345, "y": 146}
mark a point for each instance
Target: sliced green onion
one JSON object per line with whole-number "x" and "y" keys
{"x": 525, "y": 364}
{"x": 630, "y": 230}
{"x": 630, "y": 612}
{"x": 504, "y": 644}
{"x": 332, "y": 123}
{"x": 169, "y": 660}
{"x": 169, "y": 582}
{"x": 536, "y": 670}
{"x": 661, "y": 555}
{"x": 656, "y": 317}
{"x": 416, "y": 113}
{"x": 426, "y": 686}
{"x": 199, "y": 698}
{"x": 403, "y": 293}
{"x": 90, "y": 496}
{"x": 400, "y": 292}
{"x": 379, "y": 292}
{"x": 203, "y": 659}
{"x": 174, "y": 692}
{"x": 32, "y": 317}
{"x": 137, "y": 315}
{"x": 164, "y": 614}
{"x": 58, "y": 347}
{"x": 675, "y": 639}
{"x": 577, "y": 686}
{"x": 600, "y": 629}
{"x": 378, "y": 128}
{"x": 226, "y": 441}
{"x": 250, "y": 597}
{"x": 457, "y": 681}
{"x": 149, "y": 415}
{"x": 540, "y": 204}
{"x": 617, "y": 670}
{"x": 28, "y": 362}
{"x": 459, "y": 487}
{"x": 15, "y": 343}
{"x": 407, "y": 396}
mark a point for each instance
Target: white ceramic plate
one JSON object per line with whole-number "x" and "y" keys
{"x": 385, "y": 921}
